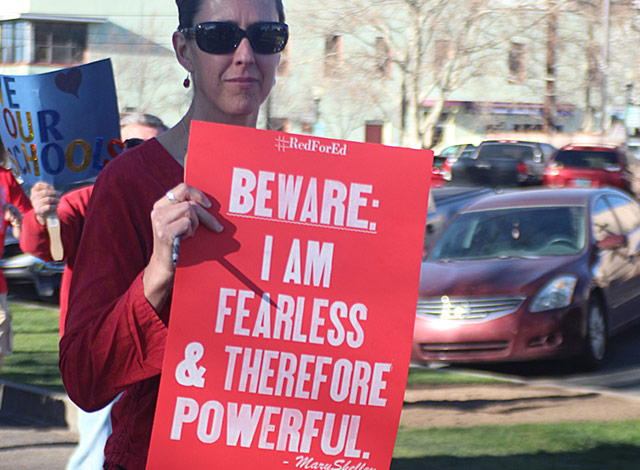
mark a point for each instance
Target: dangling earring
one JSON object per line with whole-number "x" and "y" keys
{"x": 186, "y": 82}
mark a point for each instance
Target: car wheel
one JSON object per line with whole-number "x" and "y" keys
{"x": 595, "y": 344}
{"x": 46, "y": 291}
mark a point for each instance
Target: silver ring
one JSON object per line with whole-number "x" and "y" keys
{"x": 171, "y": 196}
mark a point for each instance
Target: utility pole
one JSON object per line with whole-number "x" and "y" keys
{"x": 604, "y": 121}
{"x": 552, "y": 42}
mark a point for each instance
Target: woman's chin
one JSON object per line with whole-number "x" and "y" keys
{"x": 243, "y": 109}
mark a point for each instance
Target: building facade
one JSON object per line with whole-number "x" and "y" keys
{"x": 38, "y": 36}
{"x": 358, "y": 69}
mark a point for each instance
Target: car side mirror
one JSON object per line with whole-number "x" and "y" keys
{"x": 612, "y": 242}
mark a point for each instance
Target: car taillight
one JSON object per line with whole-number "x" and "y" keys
{"x": 446, "y": 166}
{"x": 522, "y": 168}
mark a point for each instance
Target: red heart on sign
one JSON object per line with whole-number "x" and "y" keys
{"x": 69, "y": 82}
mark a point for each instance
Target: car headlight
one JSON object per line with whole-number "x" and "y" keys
{"x": 556, "y": 293}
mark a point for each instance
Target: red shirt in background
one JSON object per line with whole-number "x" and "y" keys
{"x": 35, "y": 237}
{"x": 10, "y": 193}
{"x": 114, "y": 341}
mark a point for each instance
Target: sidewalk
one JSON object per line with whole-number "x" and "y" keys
{"x": 37, "y": 428}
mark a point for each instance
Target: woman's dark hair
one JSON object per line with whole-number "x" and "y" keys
{"x": 188, "y": 9}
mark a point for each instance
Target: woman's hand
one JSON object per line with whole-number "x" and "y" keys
{"x": 13, "y": 217}
{"x": 45, "y": 200}
{"x": 178, "y": 217}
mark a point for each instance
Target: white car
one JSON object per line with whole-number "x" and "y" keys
{"x": 21, "y": 268}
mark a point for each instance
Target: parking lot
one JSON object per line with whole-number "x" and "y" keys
{"x": 452, "y": 325}
{"x": 619, "y": 374}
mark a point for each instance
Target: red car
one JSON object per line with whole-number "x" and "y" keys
{"x": 532, "y": 274}
{"x": 437, "y": 179}
{"x": 588, "y": 166}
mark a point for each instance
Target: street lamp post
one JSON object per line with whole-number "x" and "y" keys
{"x": 604, "y": 124}
{"x": 628, "y": 102}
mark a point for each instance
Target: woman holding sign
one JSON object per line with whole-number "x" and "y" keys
{"x": 120, "y": 296}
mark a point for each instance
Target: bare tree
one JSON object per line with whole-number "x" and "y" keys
{"x": 552, "y": 40}
{"x": 624, "y": 57}
{"x": 148, "y": 78}
{"x": 435, "y": 46}
{"x": 395, "y": 54}
{"x": 584, "y": 64}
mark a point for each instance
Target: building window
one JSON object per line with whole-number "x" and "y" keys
{"x": 332, "y": 54}
{"x": 42, "y": 42}
{"x": 442, "y": 52}
{"x": 373, "y": 132}
{"x": 517, "y": 64}
{"x": 59, "y": 43}
{"x": 13, "y": 41}
{"x": 383, "y": 58}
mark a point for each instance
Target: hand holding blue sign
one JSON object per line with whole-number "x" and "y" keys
{"x": 60, "y": 127}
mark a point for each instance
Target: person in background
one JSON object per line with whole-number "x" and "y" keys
{"x": 116, "y": 329}
{"x": 95, "y": 427}
{"x": 71, "y": 207}
{"x": 14, "y": 203}
{"x": 136, "y": 128}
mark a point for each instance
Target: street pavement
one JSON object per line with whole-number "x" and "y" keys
{"x": 37, "y": 428}
{"x": 620, "y": 373}
{"x": 34, "y": 448}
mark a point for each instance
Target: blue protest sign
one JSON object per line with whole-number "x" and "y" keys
{"x": 62, "y": 126}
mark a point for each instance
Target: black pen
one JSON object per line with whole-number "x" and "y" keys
{"x": 176, "y": 249}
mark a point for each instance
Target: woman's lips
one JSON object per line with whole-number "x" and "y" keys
{"x": 243, "y": 82}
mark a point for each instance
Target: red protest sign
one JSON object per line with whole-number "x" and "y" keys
{"x": 290, "y": 331}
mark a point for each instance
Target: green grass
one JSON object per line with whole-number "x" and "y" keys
{"x": 35, "y": 357}
{"x": 584, "y": 446}
{"x": 35, "y": 347}
{"x": 579, "y": 446}
{"x": 418, "y": 376}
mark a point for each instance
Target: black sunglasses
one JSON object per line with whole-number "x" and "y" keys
{"x": 221, "y": 37}
{"x": 132, "y": 143}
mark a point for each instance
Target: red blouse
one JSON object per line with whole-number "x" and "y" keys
{"x": 35, "y": 237}
{"x": 114, "y": 341}
{"x": 10, "y": 193}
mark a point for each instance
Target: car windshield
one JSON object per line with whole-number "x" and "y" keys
{"x": 500, "y": 151}
{"x": 449, "y": 151}
{"x": 468, "y": 151}
{"x": 515, "y": 232}
{"x": 587, "y": 159}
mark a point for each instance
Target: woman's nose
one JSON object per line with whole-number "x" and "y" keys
{"x": 244, "y": 52}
